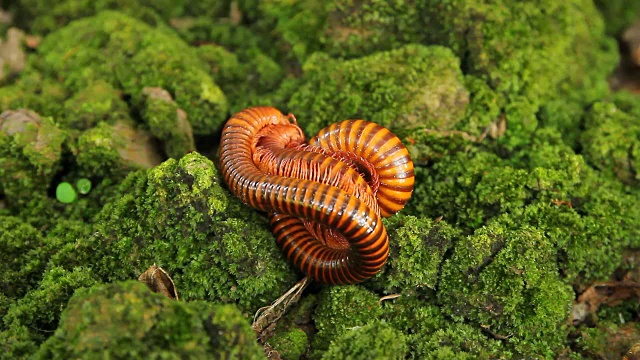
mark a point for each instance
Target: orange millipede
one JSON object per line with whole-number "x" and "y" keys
{"x": 325, "y": 198}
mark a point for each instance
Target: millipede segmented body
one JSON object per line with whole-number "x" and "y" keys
{"x": 325, "y": 198}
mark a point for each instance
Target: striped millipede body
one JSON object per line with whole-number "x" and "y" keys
{"x": 325, "y": 198}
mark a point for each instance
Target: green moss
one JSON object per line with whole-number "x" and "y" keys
{"x": 178, "y": 216}
{"x": 35, "y": 92}
{"x": 414, "y": 86}
{"x": 515, "y": 46}
{"x": 460, "y": 341}
{"x": 22, "y": 257}
{"x": 41, "y": 18}
{"x": 587, "y": 216}
{"x": 246, "y": 72}
{"x": 611, "y": 141}
{"x": 618, "y": 14}
{"x": 16, "y": 343}
{"x": 98, "y": 102}
{"x": 565, "y": 117}
{"x": 138, "y": 55}
{"x": 290, "y": 344}
{"x": 508, "y": 281}
{"x": 168, "y": 123}
{"x": 608, "y": 340}
{"x": 115, "y": 150}
{"x": 127, "y": 320}
{"x": 468, "y": 188}
{"x": 431, "y": 335}
{"x": 342, "y": 28}
{"x": 417, "y": 247}
{"x": 31, "y": 319}
{"x": 339, "y": 309}
{"x": 376, "y": 340}
{"x": 30, "y": 154}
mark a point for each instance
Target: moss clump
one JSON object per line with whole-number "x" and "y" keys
{"x": 587, "y": 214}
{"x": 115, "y": 150}
{"x": 611, "y": 141}
{"x": 417, "y": 247}
{"x": 22, "y": 257}
{"x": 30, "y": 154}
{"x": 469, "y": 188}
{"x": 127, "y": 320}
{"x": 508, "y": 281}
{"x": 515, "y": 46}
{"x": 98, "y": 102}
{"x": 138, "y": 55}
{"x": 609, "y": 340}
{"x": 618, "y": 14}
{"x": 167, "y": 122}
{"x": 376, "y": 340}
{"x": 35, "y": 92}
{"x": 178, "y": 216}
{"x": 246, "y": 71}
{"x": 546, "y": 186}
{"x": 431, "y": 335}
{"x": 339, "y": 309}
{"x": 290, "y": 344}
{"x": 41, "y": 18}
{"x": 31, "y": 319}
{"x": 408, "y": 87}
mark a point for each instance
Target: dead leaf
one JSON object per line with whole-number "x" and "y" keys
{"x": 267, "y": 316}
{"x": 608, "y": 293}
{"x": 159, "y": 281}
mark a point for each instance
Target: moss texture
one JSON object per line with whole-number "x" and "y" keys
{"x": 527, "y": 185}
{"x": 107, "y": 320}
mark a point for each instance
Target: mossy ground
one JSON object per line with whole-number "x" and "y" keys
{"x": 527, "y": 177}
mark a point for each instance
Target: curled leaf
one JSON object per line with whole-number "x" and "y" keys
{"x": 159, "y": 281}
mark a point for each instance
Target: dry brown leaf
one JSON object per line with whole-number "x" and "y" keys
{"x": 608, "y": 293}
{"x": 159, "y": 281}
{"x": 267, "y": 316}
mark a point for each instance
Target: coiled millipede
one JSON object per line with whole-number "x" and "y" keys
{"x": 325, "y": 198}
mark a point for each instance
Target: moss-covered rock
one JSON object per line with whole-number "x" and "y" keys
{"x": 127, "y": 320}
{"x": 611, "y": 141}
{"x": 376, "y": 340}
{"x": 432, "y": 335}
{"x": 290, "y": 344}
{"x": 98, "y": 102}
{"x": 417, "y": 247}
{"x": 523, "y": 56}
{"x": 178, "y": 216}
{"x": 238, "y": 61}
{"x": 33, "y": 318}
{"x": 42, "y": 18}
{"x": 508, "y": 281}
{"x": 130, "y": 55}
{"x": 30, "y": 154}
{"x": 414, "y": 86}
{"x": 23, "y": 258}
{"x": 167, "y": 122}
{"x": 35, "y": 92}
{"x": 341, "y": 308}
{"x": 115, "y": 150}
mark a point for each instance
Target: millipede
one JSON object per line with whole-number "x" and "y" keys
{"x": 325, "y": 198}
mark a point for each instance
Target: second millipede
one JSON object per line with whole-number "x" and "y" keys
{"x": 326, "y": 197}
